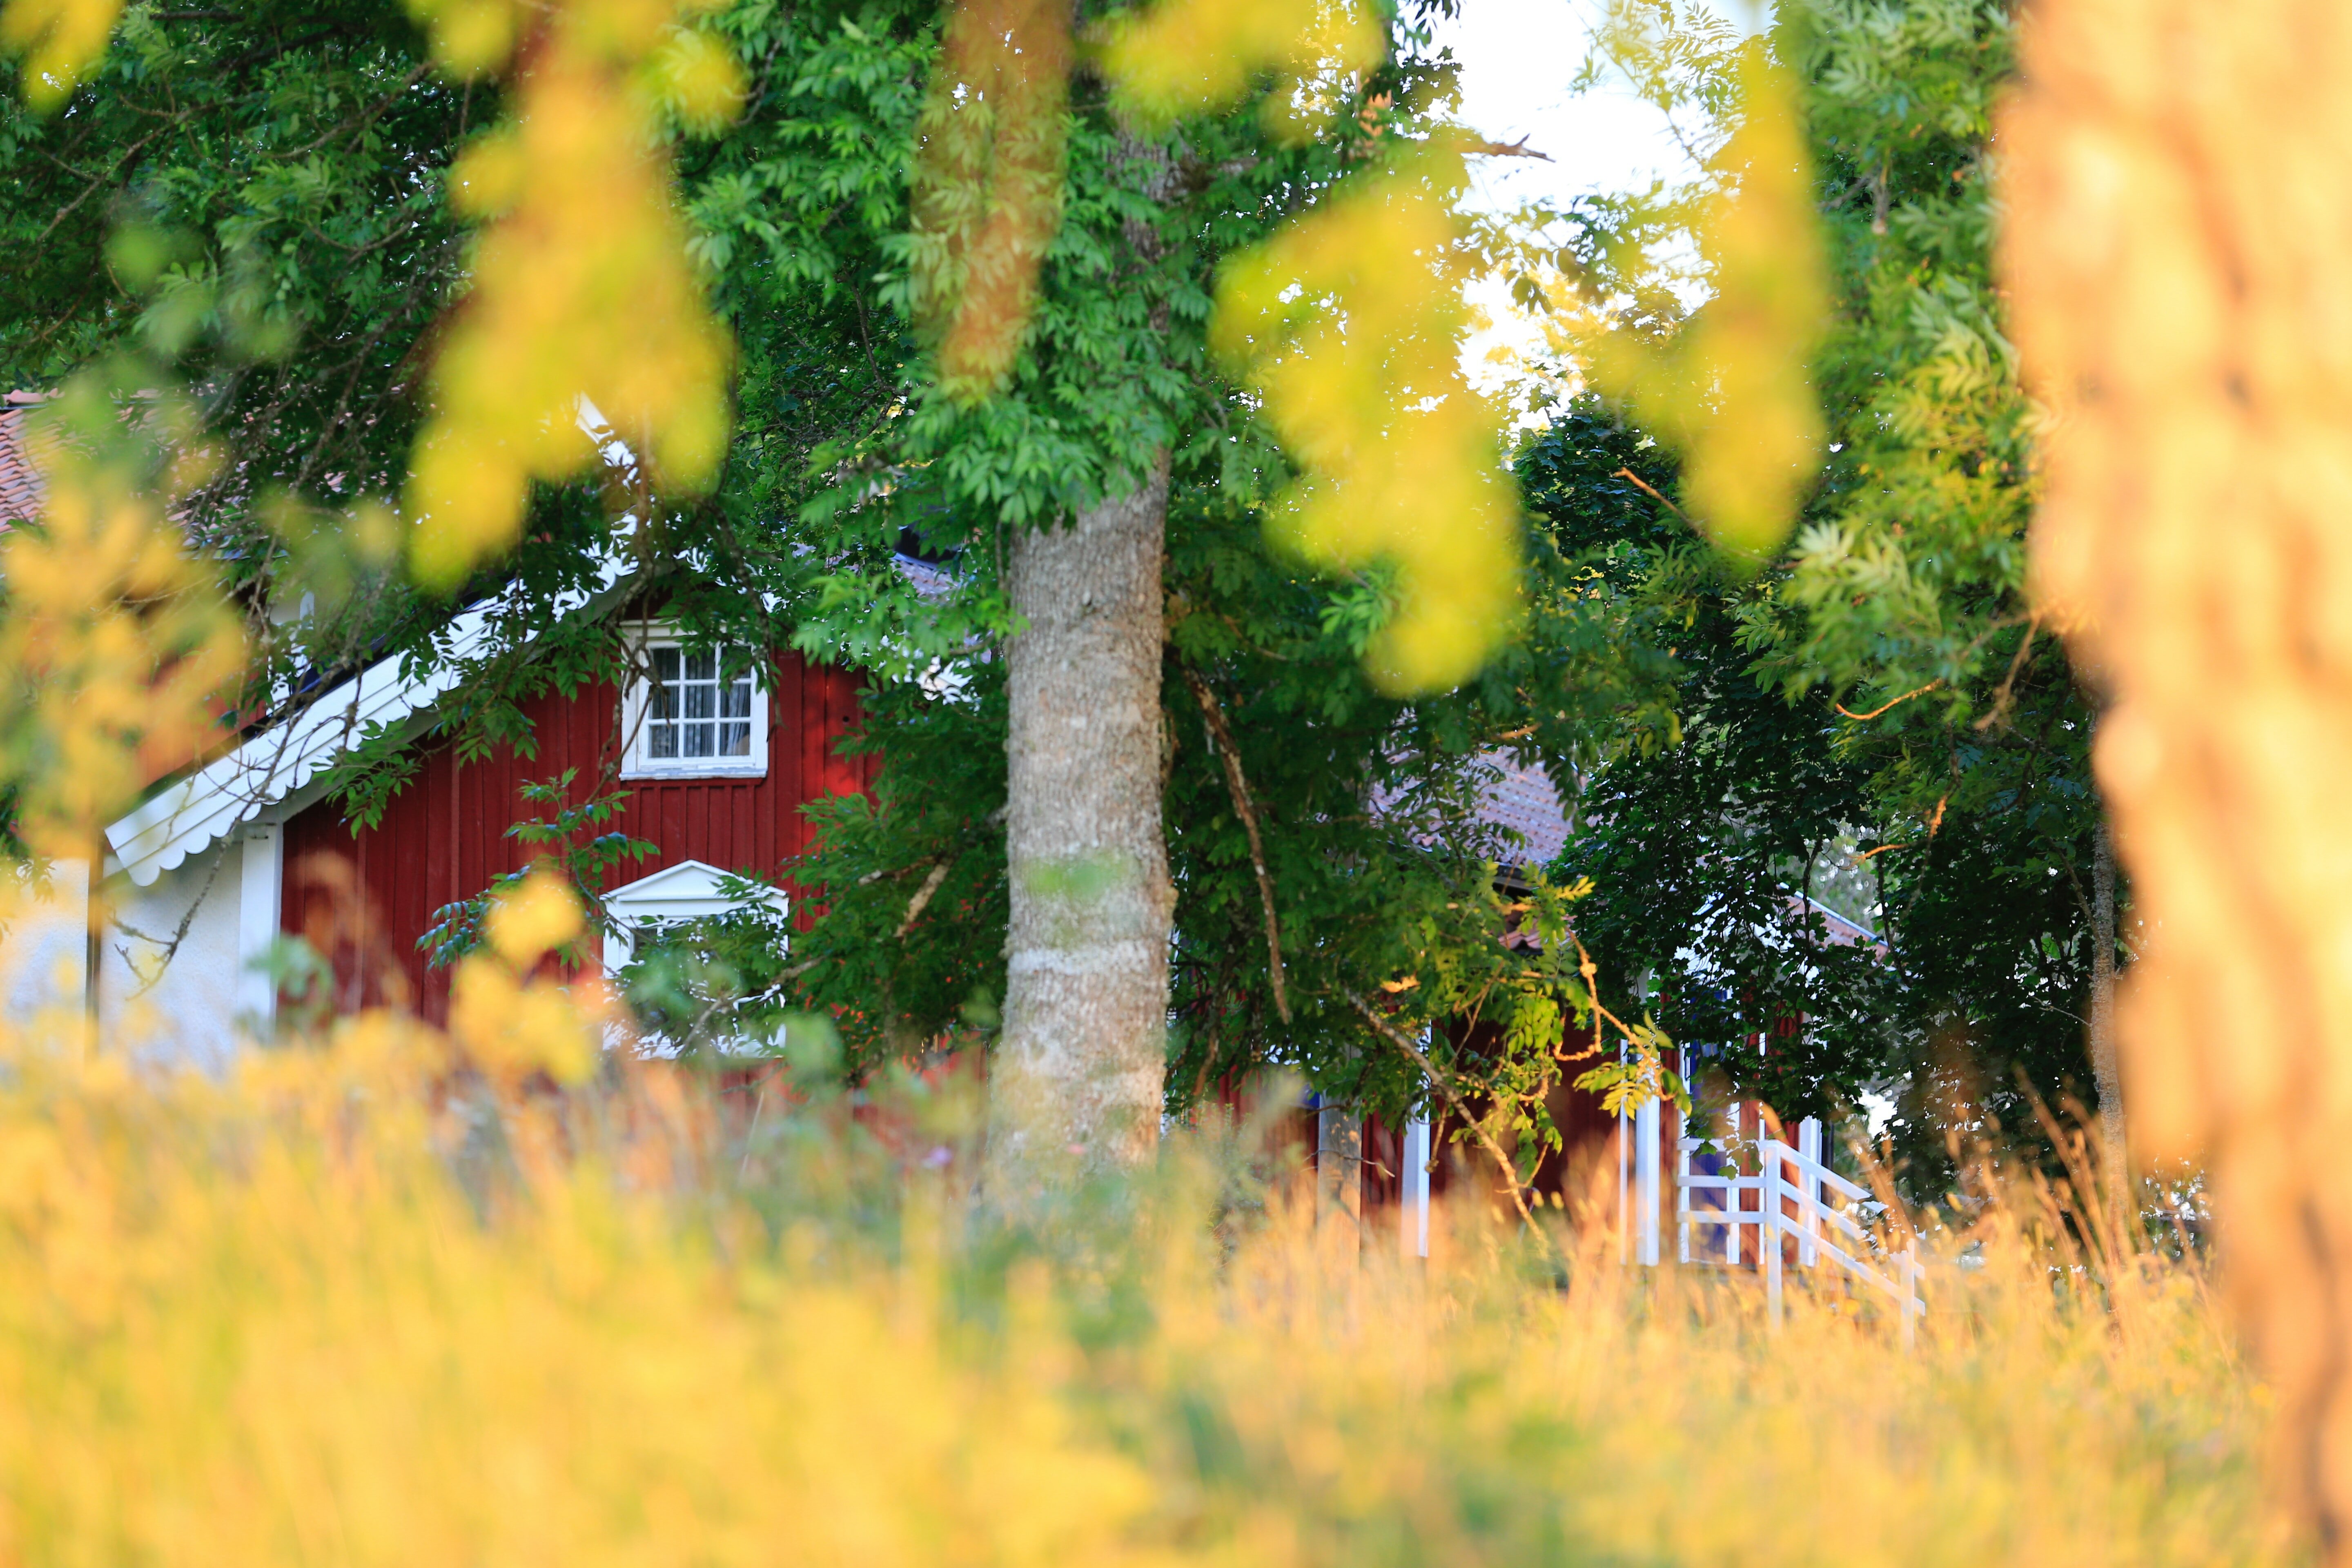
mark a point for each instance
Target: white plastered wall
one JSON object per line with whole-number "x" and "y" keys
{"x": 43, "y": 950}
{"x": 194, "y": 1005}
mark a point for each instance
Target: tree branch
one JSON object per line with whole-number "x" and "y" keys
{"x": 1238, "y": 787}
{"x": 1915, "y": 691}
{"x": 922, "y": 898}
{"x": 1650, "y": 491}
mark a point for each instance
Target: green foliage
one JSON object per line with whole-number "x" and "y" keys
{"x": 1885, "y": 693}
{"x": 251, "y": 201}
{"x": 894, "y": 972}
{"x": 1699, "y": 852}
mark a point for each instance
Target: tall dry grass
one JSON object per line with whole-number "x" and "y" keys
{"x": 368, "y": 1303}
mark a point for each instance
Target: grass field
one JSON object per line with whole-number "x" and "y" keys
{"x": 352, "y": 1308}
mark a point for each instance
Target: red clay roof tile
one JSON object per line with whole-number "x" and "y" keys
{"x": 20, "y": 481}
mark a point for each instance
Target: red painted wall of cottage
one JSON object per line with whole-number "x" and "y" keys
{"x": 362, "y": 902}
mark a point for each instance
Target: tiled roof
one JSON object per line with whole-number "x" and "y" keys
{"x": 929, "y": 581}
{"x": 1522, "y": 800}
{"x": 20, "y": 482}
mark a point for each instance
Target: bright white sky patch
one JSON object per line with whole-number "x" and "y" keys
{"x": 1518, "y": 60}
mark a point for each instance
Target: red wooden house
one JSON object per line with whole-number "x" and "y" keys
{"x": 717, "y": 751}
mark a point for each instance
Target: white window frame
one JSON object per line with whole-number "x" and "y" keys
{"x": 687, "y": 890}
{"x": 638, "y": 763}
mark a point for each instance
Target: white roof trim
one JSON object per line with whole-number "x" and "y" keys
{"x": 682, "y": 891}
{"x": 204, "y": 807}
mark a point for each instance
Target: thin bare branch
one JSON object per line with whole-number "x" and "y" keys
{"x": 916, "y": 905}
{"x": 1239, "y": 788}
{"x": 1647, "y": 488}
{"x": 1884, "y": 707}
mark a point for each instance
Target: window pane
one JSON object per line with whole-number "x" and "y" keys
{"x": 695, "y": 706}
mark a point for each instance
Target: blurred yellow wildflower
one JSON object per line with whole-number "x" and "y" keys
{"x": 1346, "y": 322}
{"x": 61, "y": 40}
{"x": 316, "y": 1311}
{"x": 583, "y": 305}
{"x": 1732, "y": 394}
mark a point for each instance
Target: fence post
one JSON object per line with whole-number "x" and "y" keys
{"x": 1682, "y": 1168}
{"x": 1624, "y": 1238}
{"x": 1416, "y": 1187}
{"x": 1768, "y": 1228}
{"x": 1808, "y": 1190}
{"x": 1645, "y": 1151}
{"x": 1734, "y": 1202}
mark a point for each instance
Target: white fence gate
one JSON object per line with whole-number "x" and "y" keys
{"x": 1799, "y": 1201}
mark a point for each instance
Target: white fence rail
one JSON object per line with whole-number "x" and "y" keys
{"x": 1799, "y": 1201}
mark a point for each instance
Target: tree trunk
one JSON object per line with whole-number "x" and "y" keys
{"x": 2115, "y": 1165}
{"x": 2178, "y": 256}
{"x": 1076, "y": 1084}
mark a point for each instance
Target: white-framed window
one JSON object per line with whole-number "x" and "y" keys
{"x": 693, "y": 711}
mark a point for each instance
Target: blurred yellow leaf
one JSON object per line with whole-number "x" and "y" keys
{"x": 1732, "y": 394}
{"x": 582, "y": 304}
{"x": 531, "y": 922}
{"x": 470, "y": 37}
{"x": 61, "y": 40}
{"x": 1347, "y": 322}
{"x": 1188, "y": 56}
{"x": 515, "y": 1031}
{"x": 697, "y": 80}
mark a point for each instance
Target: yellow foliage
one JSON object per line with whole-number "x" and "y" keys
{"x": 1732, "y": 394}
{"x": 117, "y": 651}
{"x": 61, "y": 40}
{"x": 261, "y": 1323}
{"x": 1187, "y": 57}
{"x": 1346, "y": 322}
{"x": 2178, "y": 252}
{"x": 581, "y": 298}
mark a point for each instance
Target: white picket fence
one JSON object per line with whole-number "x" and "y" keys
{"x": 1799, "y": 1201}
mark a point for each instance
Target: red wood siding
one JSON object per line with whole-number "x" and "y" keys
{"x": 362, "y": 902}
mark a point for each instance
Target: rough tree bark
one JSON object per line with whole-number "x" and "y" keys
{"x": 1076, "y": 1082}
{"x": 2180, "y": 256}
